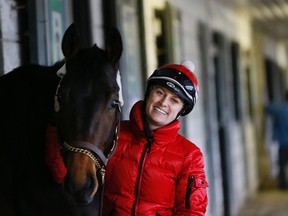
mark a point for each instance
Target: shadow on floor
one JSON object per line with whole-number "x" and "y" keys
{"x": 269, "y": 202}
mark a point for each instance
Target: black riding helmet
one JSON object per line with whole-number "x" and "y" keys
{"x": 178, "y": 78}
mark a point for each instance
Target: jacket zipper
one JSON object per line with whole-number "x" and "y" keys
{"x": 146, "y": 149}
{"x": 189, "y": 191}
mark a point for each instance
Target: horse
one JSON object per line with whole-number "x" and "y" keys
{"x": 83, "y": 110}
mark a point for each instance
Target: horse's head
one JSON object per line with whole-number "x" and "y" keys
{"x": 88, "y": 112}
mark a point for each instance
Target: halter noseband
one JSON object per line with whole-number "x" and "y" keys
{"x": 89, "y": 154}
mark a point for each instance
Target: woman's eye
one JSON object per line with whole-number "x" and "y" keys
{"x": 158, "y": 92}
{"x": 174, "y": 100}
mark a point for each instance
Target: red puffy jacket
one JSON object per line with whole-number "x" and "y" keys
{"x": 164, "y": 179}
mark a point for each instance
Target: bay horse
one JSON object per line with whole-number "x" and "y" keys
{"x": 82, "y": 107}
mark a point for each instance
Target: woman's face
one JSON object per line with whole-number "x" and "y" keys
{"x": 162, "y": 107}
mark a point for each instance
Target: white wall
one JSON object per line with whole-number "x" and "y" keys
{"x": 10, "y": 35}
{"x": 97, "y": 23}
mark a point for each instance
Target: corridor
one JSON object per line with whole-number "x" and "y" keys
{"x": 267, "y": 203}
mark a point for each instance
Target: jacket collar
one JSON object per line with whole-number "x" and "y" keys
{"x": 161, "y": 135}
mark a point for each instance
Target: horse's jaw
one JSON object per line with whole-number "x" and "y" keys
{"x": 80, "y": 185}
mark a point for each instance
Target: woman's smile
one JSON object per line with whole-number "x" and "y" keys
{"x": 157, "y": 109}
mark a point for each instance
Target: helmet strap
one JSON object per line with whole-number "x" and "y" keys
{"x": 182, "y": 111}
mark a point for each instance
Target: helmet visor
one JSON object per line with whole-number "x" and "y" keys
{"x": 175, "y": 80}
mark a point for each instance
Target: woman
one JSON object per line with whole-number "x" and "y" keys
{"x": 155, "y": 170}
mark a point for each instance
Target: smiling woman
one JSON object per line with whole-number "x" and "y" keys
{"x": 162, "y": 107}
{"x": 158, "y": 171}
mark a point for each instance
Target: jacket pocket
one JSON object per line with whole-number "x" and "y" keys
{"x": 201, "y": 183}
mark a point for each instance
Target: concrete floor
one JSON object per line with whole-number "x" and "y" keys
{"x": 271, "y": 202}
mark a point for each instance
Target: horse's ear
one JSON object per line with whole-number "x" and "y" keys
{"x": 70, "y": 41}
{"x": 114, "y": 46}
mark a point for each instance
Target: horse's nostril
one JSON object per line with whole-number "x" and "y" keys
{"x": 81, "y": 193}
{"x": 72, "y": 187}
{"x": 90, "y": 182}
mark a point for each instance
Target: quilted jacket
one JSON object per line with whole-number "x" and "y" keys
{"x": 164, "y": 178}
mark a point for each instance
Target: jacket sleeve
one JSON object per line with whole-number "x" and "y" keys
{"x": 191, "y": 194}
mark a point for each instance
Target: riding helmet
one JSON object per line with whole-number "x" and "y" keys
{"x": 178, "y": 78}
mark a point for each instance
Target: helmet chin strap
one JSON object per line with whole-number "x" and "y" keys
{"x": 182, "y": 111}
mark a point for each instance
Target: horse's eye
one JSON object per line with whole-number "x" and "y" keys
{"x": 114, "y": 104}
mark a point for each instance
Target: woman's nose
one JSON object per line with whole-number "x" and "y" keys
{"x": 164, "y": 101}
